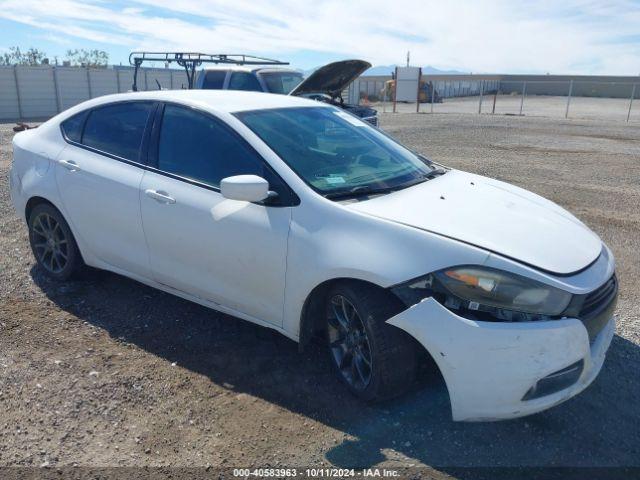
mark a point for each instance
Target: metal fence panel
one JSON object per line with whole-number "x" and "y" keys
{"x": 9, "y": 107}
{"x": 37, "y": 92}
{"x": 178, "y": 79}
{"x": 155, "y": 77}
{"x": 125, "y": 80}
{"x": 73, "y": 87}
{"x": 103, "y": 82}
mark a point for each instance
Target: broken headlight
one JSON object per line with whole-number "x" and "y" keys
{"x": 498, "y": 294}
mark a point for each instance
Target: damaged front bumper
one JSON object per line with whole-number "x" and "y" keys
{"x": 489, "y": 367}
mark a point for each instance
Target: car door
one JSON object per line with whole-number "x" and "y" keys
{"x": 98, "y": 175}
{"x": 229, "y": 252}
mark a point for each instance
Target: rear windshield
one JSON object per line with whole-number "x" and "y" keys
{"x": 214, "y": 80}
{"x": 281, "y": 82}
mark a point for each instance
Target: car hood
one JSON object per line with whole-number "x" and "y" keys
{"x": 332, "y": 78}
{"x": 492, "y": 215}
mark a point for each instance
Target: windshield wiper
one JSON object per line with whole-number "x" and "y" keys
{"x": 359, "y": 191}
{"x": 362, "y": 190}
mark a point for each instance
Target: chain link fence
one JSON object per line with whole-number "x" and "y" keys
{"x": 582, "y": 99}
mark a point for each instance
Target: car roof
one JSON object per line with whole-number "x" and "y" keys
{"x": 213, "y": 100}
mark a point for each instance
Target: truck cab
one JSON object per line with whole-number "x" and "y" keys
{"x": 238, "y": 77}
{"x": 325, "y": 84}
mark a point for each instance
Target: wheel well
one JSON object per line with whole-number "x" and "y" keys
{"x": 312, "y": 322}
{"x": 32, "y": 203}
{"x": 312, "y": 317}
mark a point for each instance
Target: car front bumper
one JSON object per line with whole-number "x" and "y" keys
{"x": 488, "y": 367}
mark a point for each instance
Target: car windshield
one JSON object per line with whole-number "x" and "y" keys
{"x": 281, "y": 82}
{"x": 335, "y": 152}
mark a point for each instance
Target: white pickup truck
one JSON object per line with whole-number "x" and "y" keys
{"x": 325, "y": 84}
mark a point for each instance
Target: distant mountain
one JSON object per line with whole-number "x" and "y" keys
{"x": 387, "y": 69}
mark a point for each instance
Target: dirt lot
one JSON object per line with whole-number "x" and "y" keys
{"x": 108, "y": 372}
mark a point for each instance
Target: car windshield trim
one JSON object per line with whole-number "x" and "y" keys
{"x": 334, "y": 152}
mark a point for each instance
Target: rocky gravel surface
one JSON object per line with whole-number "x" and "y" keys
{"x": 106, "y": 372}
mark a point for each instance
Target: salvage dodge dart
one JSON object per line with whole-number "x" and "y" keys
{"x": 298, "y": 216}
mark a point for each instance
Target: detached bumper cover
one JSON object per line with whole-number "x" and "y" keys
{"x": 489, "y": 366}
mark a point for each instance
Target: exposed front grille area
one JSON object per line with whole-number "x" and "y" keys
{"x": 372, "y": 120}
{"x": 598, "y": 306}
{"x": 599, "y": 296}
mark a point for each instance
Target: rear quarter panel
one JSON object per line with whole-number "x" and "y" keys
{"x": 32, "y": 172}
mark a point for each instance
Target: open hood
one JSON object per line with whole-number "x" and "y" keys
{"x": 493, "y": 215}
{"x": 331, "y": 79}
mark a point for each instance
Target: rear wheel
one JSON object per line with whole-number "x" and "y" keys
{"x": 52, "y": 243}
{"x": 374, "y": 359}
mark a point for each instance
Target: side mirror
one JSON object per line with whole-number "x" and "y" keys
{"x": 245, "y": 188}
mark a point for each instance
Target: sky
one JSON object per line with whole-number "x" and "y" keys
{"x": 500, "y": 36}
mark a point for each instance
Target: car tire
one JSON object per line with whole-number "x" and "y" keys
{"x": 52, "y": 243}
{"x": 375, "y": 360}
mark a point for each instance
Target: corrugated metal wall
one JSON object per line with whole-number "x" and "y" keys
{"x": 30, "y": 93}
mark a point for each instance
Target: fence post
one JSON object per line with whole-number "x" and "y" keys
{"x": 566, "y": 112}
{"x": 524, "y": 91}
{"x": 480, "y": 102}
{"x": 118, "y": 86}
{"x": 495, "y": 96}
{"x": 15, "y": 78}
{"x": 55, "y": 87}
{"x": 418, "y": 91}
{"x": 384, "y": 100}
{"x": 395, "y": 91}
{"x": 89, "y": 83}
{"x": 633, "y": 94}
{"x": 433, "y": 94}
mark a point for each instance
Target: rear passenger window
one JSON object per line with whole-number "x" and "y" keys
{"x": 214, "y": 80}
{"x": 72, "y": 127}
{"x": 244, "y": 81}
{"x": 198, "y": 147}
{"x": 117, "y": 129}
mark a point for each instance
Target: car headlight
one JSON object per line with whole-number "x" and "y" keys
{"x": 503, "y": 295}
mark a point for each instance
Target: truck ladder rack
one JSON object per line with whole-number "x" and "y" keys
{"x": 191, "y": 60}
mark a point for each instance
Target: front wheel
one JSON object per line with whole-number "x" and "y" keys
{"x": 374, "y": 359}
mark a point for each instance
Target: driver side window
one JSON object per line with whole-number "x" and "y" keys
{"x": 198, "y": 147}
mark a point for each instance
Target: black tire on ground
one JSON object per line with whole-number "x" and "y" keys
{"x": 393, "y": 356}
{"x": 52, "y": 243}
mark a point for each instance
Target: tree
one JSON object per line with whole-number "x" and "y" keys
{"x": 15, "y": 56}
{"x": 88, "y": 58}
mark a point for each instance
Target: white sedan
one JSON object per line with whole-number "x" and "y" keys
{"x": 297, "y": 216}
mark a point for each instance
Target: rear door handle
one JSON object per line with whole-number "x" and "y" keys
{"x": 160, "y": 196}
{"x": 69, "y": 165}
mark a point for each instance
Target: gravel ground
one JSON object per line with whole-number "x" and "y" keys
{"x": 107, "y": 372}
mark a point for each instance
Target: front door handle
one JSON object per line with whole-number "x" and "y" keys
{"x": 160, "y": 196}
{"x": 69, "y": 165}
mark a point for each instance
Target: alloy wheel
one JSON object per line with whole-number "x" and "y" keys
{"x": 349, "y": 342}
{"x": 50, "y": 243}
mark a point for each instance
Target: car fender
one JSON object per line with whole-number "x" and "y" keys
{"x": 328, "y": 242}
